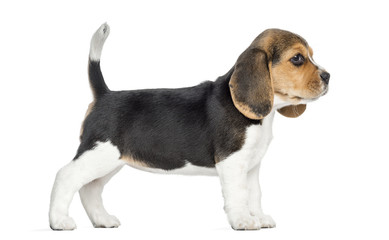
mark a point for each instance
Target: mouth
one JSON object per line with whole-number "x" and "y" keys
{"x": 296, "y": 98}
{"x": 288, "y": 96}
{"x": 324, "y": 92}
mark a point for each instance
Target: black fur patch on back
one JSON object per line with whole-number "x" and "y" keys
{"x": 166, "y": 128}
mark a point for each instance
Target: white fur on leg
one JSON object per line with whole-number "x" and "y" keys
{"x": 233, "y": 178}
{"x": 240, "y": 192}
{"x": 254, "y": 191}
{"x": 255, "y": 199}
{"x": 232, "y": 172}
{"x": 92, "y": 164}
{"x": 91, "y": 199}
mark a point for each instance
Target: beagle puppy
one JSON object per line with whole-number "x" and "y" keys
{"x": 220, "y": 128}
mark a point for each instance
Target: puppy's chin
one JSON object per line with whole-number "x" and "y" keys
{"x": 291, "y": 99}
{"x": 284, "y": 99}
{"x": 308, "y": 100}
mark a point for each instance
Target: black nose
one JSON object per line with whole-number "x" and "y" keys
{"x": 325, "y": 76}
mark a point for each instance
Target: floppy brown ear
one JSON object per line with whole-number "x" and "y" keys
{"x": 250, "y": 84}
{"x": 293, "y": 111}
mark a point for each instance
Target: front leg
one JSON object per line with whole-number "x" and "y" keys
{"x": 254, "y": 202}
{"x": 233, "y": 177}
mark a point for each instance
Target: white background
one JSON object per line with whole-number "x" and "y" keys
{"x": 326, "y": 173}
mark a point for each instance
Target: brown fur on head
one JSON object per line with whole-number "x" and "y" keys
{"x": 277, "y": 63}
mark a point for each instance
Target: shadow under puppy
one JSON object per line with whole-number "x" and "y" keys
{"x": 220, "y": 128}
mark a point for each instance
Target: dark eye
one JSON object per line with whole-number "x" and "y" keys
{"x": 297, "y": 60}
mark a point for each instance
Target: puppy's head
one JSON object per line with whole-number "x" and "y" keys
{"x": 277, "y": 63}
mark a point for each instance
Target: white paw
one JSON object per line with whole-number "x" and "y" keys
{"x": 267, "y": 221}
{"x": 106, "y": 221}
{"x": 62, "y": 223}
{"x": 245, "y": 222}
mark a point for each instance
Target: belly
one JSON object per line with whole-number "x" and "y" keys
{"x": 187, "y": 169}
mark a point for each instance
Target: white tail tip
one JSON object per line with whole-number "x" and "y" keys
{"x": 97, "y": 42}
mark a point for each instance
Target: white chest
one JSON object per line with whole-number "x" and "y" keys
{"x": 258, "y": 138}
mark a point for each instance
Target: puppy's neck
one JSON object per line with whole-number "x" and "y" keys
{"x": 279, "y": 103}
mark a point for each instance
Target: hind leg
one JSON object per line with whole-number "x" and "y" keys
{"x": 92, "y": 164}
{"x": 92, "y": 201}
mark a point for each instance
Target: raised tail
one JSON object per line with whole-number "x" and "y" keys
{"x": 96, "y": 79}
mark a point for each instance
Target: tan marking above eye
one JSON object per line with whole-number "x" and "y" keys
{"x": 293, "y": 51}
